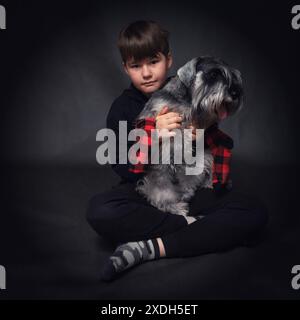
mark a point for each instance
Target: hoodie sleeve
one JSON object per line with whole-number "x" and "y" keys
{"x": 118, "y": 113}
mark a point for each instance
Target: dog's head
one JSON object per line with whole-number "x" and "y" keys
{"x": 215, "y": 88}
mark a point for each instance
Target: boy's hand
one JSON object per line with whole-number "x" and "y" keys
{"x": 166, "y": 121}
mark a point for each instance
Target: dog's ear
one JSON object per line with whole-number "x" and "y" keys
{"x": 237, "y": 75}
{"x": 187, "y": 72}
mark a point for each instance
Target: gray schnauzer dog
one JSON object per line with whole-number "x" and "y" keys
{"x": 205, "y": 91}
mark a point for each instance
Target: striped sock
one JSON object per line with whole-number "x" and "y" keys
{"x": 128, "y": 255}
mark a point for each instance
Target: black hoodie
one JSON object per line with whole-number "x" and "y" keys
{"x": 125, "y": 108}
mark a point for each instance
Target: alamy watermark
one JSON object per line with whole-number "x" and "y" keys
{"x": 296, "y": 18}
{"x": 2, "y": 278}
{"x": 2, "y": 17}
{"x": 296, "y": 279}
{"x": 161, "y": 151}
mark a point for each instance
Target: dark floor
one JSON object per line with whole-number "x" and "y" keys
{"x": 50, "y": 252}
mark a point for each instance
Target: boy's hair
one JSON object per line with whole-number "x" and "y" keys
{"x": 143, "y": 39}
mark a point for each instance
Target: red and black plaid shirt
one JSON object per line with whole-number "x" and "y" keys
{"x": 219, "y": 143}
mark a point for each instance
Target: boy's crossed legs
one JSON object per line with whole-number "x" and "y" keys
{"x": 123, "y": 216}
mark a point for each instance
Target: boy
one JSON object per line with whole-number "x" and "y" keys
{"x": 122, "y": 215}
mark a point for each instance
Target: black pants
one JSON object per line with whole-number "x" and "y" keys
{"x": 231, "y": 219}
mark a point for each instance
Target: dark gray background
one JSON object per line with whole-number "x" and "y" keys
{"x": 60, "y": 72}
{"x": 65, "y": 71}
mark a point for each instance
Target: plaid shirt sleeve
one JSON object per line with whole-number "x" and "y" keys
{"x": 147, "y": 124}
{"x": 220, "y": 145}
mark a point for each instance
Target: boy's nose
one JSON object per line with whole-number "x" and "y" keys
{"x": 146, "y": 72}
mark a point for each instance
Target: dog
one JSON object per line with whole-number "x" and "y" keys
{"x": 205, "y": 90}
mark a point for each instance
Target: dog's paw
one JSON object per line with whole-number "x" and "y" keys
{"x": 182, "y": 208}
{"x": 187, "y": 195}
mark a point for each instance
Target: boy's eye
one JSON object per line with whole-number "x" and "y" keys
{"x": 154, "y": 61}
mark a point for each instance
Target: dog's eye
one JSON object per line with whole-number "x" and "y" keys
{"x": 234, "y": 92}
{"x": 211, "y": 75}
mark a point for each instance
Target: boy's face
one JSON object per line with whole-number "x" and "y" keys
{"x": 149, "y": 74}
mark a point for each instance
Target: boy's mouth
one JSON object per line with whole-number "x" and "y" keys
{"x": 148, "y": 84}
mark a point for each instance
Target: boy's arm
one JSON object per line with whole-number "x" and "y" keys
{"x": 147, "y": 124}
{"x": 112, "y": 122}
{"x": 135, "y": 172}
{"x": 162, "y": 124}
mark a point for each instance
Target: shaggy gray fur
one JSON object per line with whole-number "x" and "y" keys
{"x": 200, "y": 88}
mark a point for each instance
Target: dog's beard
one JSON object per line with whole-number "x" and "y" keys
{"x": 209, "y": 105}
{"x": 213, "y": 99}
{"x": 212, "y": 103}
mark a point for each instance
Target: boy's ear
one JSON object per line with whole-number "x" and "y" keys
{"x": 170, "y": 60}
{"x": 125, "y": 67}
